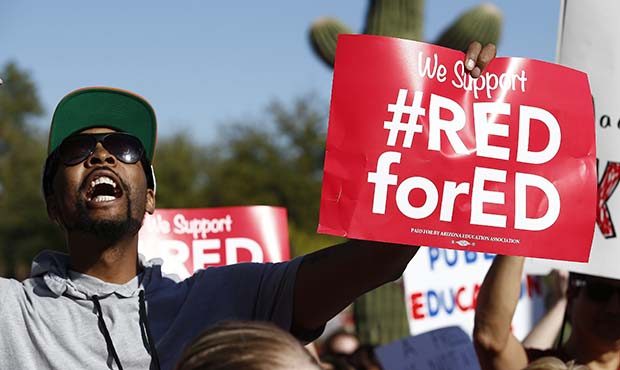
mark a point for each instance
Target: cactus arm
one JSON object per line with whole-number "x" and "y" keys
{"x": 323, "y": 36}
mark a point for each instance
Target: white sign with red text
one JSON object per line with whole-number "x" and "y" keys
{"x": 191, "y": 239}
{"x": 441, "y": 288}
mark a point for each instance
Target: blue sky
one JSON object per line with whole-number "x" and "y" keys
{"x": 202, "y": 64}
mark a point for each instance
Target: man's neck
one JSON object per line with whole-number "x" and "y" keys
{"x": 596, "y": 358}
{"x": 111, "y": 262}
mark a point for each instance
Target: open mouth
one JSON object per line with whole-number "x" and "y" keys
{"x": 103, "y": 189}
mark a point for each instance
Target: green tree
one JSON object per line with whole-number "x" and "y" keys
{"x": 181, "y": 171}
{"x": 24, "y": 226}
{"x": 278, "y": 161}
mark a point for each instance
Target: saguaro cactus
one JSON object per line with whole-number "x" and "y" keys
{"x": 404, "y": 19}
{"x": 380, "y": 315}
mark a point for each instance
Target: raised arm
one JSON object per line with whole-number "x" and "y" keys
{"x": 330, "y": 279}
{"x": 496, "y": 346}
{"x": 544, "y": 334}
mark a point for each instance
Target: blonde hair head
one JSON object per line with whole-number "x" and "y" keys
{"x": 246, "y": 345}
{"x": 554, "y": 363}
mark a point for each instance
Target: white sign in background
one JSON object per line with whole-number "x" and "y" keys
{"x": 441, "y": 286}
{"x": 589, "y": 40}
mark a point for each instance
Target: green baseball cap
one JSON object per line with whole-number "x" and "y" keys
{"x": 117, "y": 109}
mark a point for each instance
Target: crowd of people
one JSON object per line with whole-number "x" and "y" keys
{"x": 102, "y": 306}
{"x": 592, "y": 316}
{"x": 594, "y": 341}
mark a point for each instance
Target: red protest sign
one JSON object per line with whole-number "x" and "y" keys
{"x": 420, "y": 153}
{"x": 191, "y": 239}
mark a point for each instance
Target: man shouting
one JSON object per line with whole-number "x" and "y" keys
{"x": 101, "y": 306}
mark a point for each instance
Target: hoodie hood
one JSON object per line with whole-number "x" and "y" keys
{"x": 53, "y": 268}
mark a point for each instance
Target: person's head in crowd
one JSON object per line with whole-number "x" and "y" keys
{"x": 553, "y": 363}
{"x": 594, "y": 311}
{"x": 341, "y": 342}
{"x": 246, "y": 345}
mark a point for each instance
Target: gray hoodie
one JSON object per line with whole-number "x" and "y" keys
{"x": 62, "y": 319}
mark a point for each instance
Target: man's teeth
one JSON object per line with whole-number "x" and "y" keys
{"x": 103, "y": 198}
{"x": 103, "y": 180}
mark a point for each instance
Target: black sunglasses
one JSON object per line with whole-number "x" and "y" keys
{"x": 77, "y": 148}
{"x": 598, "y": 291}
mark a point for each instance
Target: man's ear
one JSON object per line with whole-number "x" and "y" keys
{"x": 150, "y": 201}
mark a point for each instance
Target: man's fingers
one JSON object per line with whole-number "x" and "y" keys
{"x": 486, "y": 56}
{"x": 472, "y": 55}
{"x": 477, "y": 57}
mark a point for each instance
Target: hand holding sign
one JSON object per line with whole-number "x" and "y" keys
{"x": 477, "y": 58}
{"x": 332, "y": 277}
{"x": 421, "y": 153}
